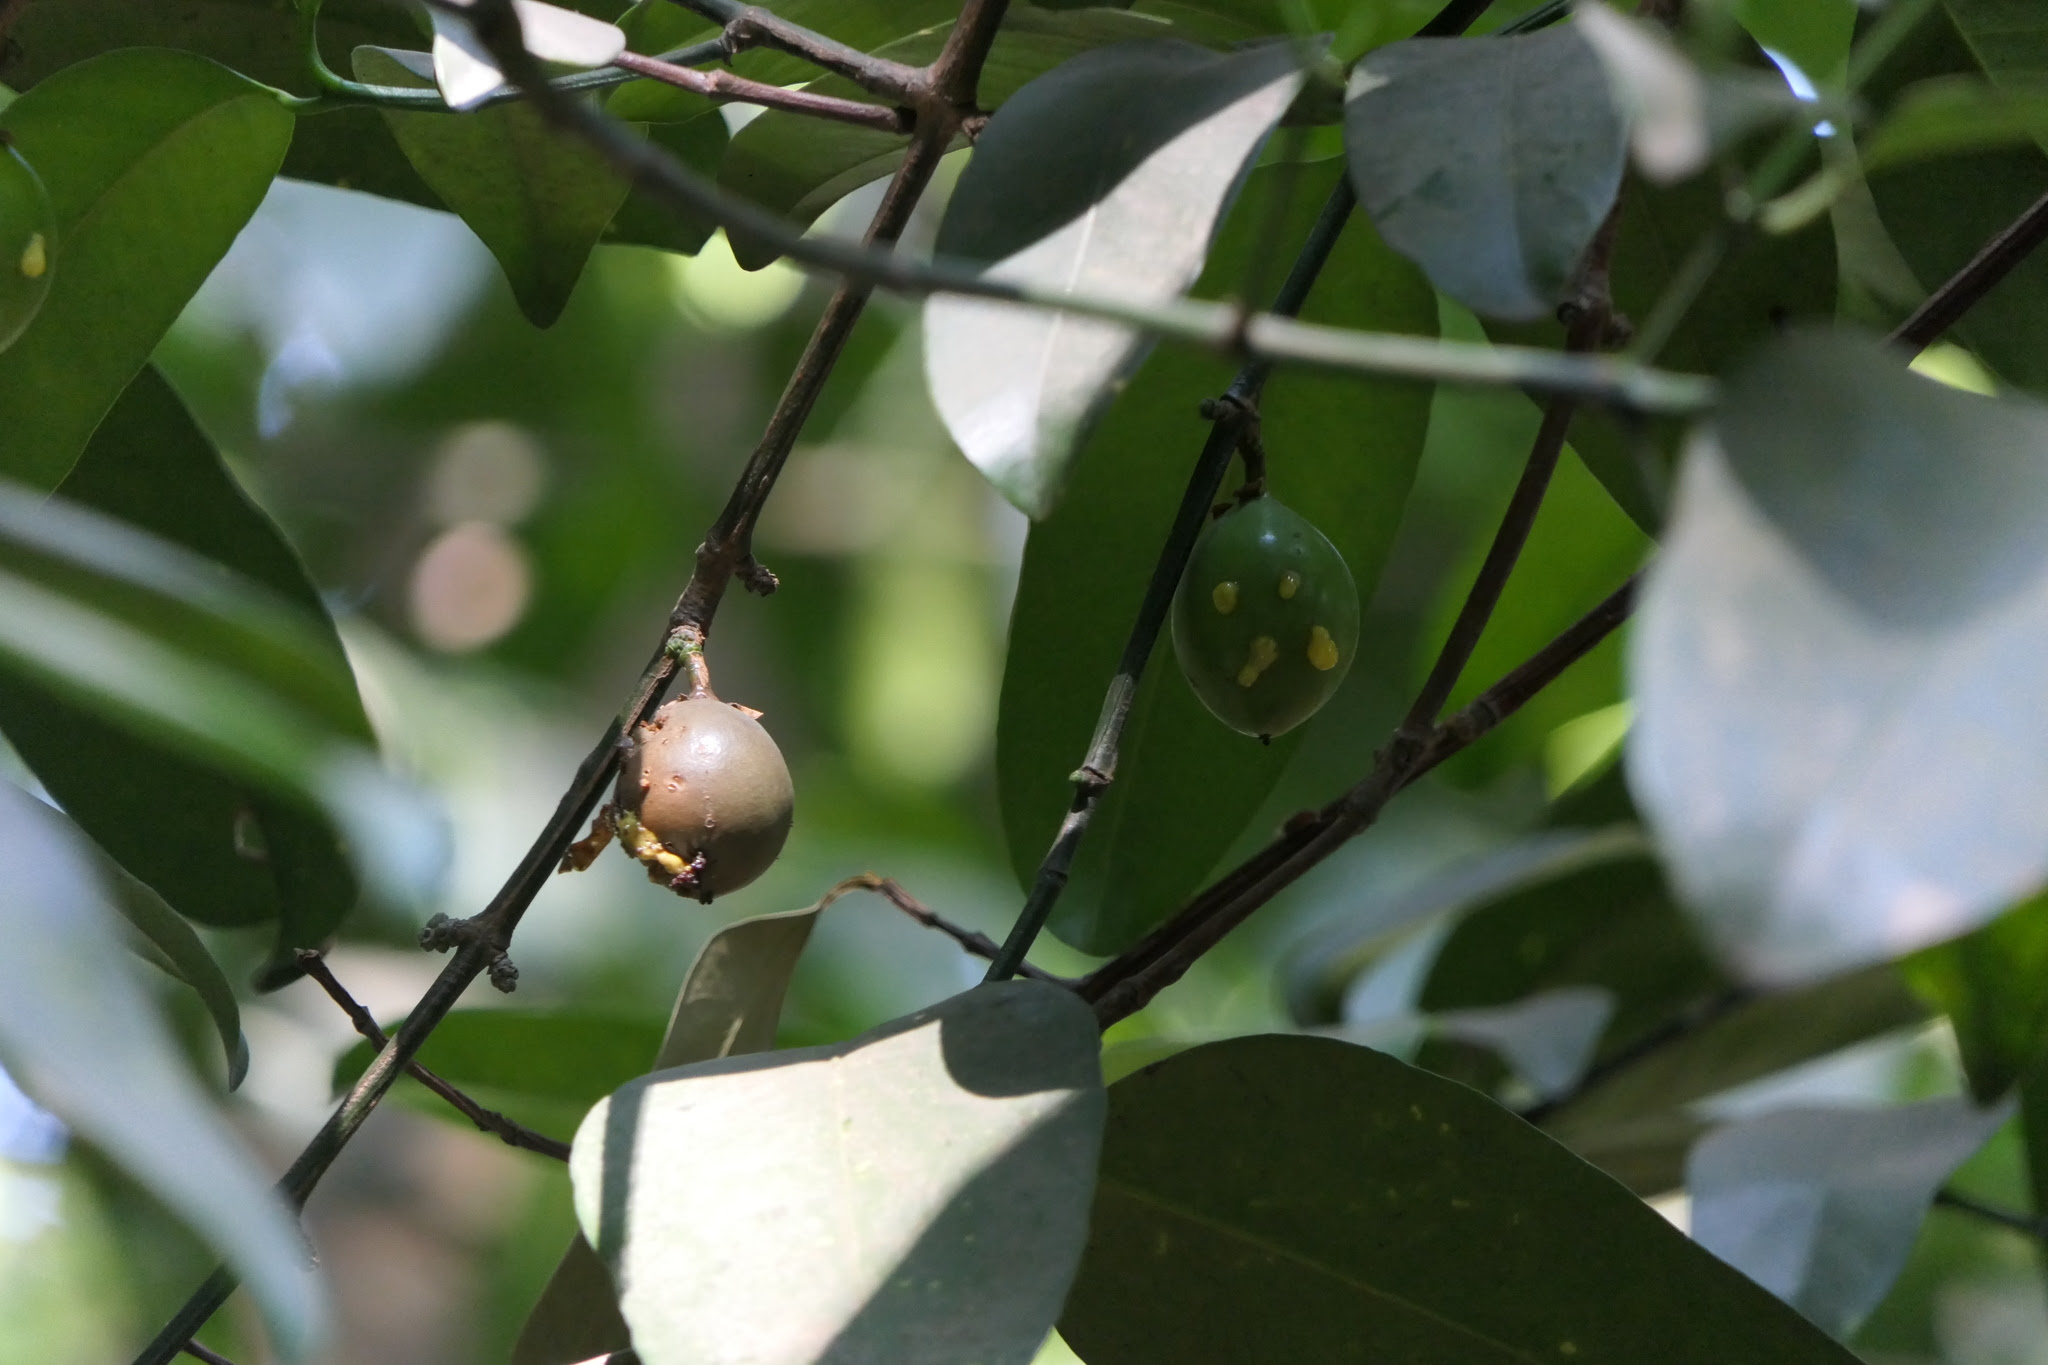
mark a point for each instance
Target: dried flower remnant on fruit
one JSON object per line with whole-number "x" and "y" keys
{"x": 703, "y": 801}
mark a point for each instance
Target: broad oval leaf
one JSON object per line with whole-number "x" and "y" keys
{"x": 1835, "y": 659}
{"x": 538, "y": 197}
{"x": 729, "y": 1005}
{"x": 1105, "y": 176}
{"x": 154, "y": 161}
{"x": 1821, "y": 1206}
{"x": 918, "y": 1195}
{"x": 1489, "y": 162}
{"x": 221, "y": 850}
{"x": 265, "y": 42}
{"x": 1283, "y": 1198}
{"x": 82, "y": 1036}
{"x": 1343, "y": 455}
{"x": 799, "y": 166}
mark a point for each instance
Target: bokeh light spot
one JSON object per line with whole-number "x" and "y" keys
{"x": 469, "y": 588}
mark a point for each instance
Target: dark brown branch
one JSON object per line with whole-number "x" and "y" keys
{"x": 487, "y": 1120}
{"x": 2030, "y": 1224}
{"x": 198, "y": 1352}
{"x": 1590, "y": 311}
{"x": 1992, "y": 263}
{"x": 1127, "y": 983}
{"x": 1235, "y": 417}
{"x": 751, "y": 26}
{"x": 724, "y": 86}
{"x": 972, "y": 940}
{"x": 480, "y": 943}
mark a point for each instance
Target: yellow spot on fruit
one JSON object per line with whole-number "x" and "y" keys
{"x": 1263, "y": 652}
{"x": 35, "y": 257}
{"x": 1224, "y": 595}
{"x": 1290, "y": 584}
{"x": 1322, "y": 650}
{"x": 668, "y": 862}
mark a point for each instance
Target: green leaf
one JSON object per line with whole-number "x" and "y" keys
{"x": 1750, "y": 297}
{"x": 220, "y": 849}
{"x": 1601, "y": 916}
{"x": 568, "y": 1057}
{"x": 1822, "y": 1206}
{"x": 161, "y": 643}
{"x": 1814, "y": 34}
{"x": 1940, "y": 212}
{"x": 1108, "y": 173}
{"x": 538, "y": 197}
{"x": 918, "y": 1195}
{"x": 1945, "y": 115}
{"x": 1581, "y": 548}
{"x": 82, "y": 1036}
{"x": 1490, "y": 163}
{"x": 800, "y": 166}
{"x": 261, "y": 39}
{"x": 1638, "y": 1111}
{"x": 1283, "y": 1198}
{"x": 1851, "y": 599}
{"x": 153, "y": 161}
{"x": 169, "y": 944}
{"x": 1343, "y": 455}
{"x": 644, "y": 220}
{"x": 728, "y": 1006}
{"x": 1993, "y": 986}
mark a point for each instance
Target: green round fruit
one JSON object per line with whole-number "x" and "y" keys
{"x": 28, "y": 244}
{"x": 1266, "y": 619}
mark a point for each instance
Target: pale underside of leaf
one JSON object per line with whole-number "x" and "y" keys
{"x": 1818, "y": 779}
{"x": 810, "y": 1205}
{"x": 1018, "y": 386}
{"x": 467, "y": 73}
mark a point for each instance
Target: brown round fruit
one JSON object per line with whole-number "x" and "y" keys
{"x": 708, "y": 797}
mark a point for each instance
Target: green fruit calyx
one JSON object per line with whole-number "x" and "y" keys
{"x": 1265, "y": 621}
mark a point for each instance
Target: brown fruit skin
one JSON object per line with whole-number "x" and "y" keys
{"x": 705, "y": 779}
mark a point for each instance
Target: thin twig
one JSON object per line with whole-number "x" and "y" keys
{"x": 207, "y": 1354}
{"x": 513, "y": 1134}
{"x": 972, "y": 940}
{"x": 724, "y": 86}
{"x": 1992, "y": 263}
{"x": 1235, "y": 417}
{"x": 751, "y": 26}
{"x": 1098, "y": 765}
{"x": 2031, "y": 1224}
{"x": 480, "y": 943}
{"x": 1591, "y": 310}
{"x": 1127, "y": 983}
{"x": 1215, "y": 326}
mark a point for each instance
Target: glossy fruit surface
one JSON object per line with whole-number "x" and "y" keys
{"x": 1266, "y": 618}
{"x": 28, "y": 244}
{"x": 707, "y": 783}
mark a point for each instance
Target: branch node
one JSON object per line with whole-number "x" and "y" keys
{"x": 504, "y": 972}
{"x": 756, "y": 577}
{"x": 1090, "y": 779}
